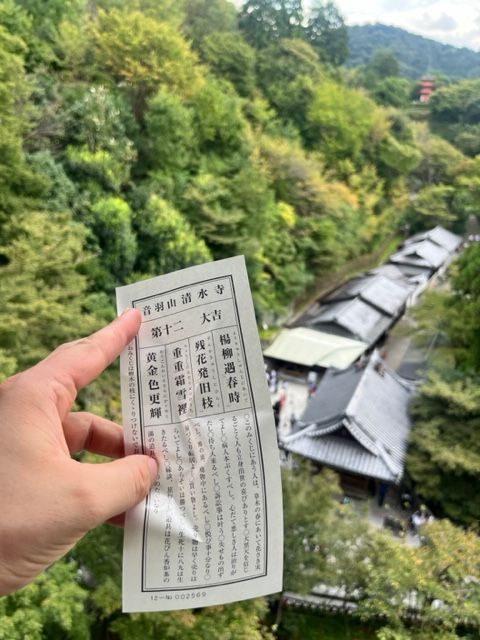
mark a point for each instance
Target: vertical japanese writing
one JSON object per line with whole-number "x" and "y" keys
{"x": 198, "y": 419}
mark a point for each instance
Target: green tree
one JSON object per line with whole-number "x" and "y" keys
{"x": 384, "y": 64}
{"x": 111, "y": 223}
{"x": 60, "y": 192}
{"x": 327, "y": 32}
{"x": 454, "y": 114}
{"x": 393, "y": 92}
{"x": 206, "y": 17}
{"x": 287, "y": 72}
{"x": 242, "y": 620}
{"x": 219, "y": 123}
{"x": 168, "y": 143}
{"x": 51, "y": 607}
{"x": 231, "y": 58}
{"x": 340, "y": 121}
{"x": 432, "y": 206}
{"x": 42, "y": 289}
{"x": 168, "y": 242}
{"x": 144, "y": 55}
{"x": 440, "y": 161}
{"x": 444, "y": 457}
{"x": 19, "y": 186}
{"x": 264, "y": 21}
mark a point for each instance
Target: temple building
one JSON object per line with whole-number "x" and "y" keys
{"x": 358, "y": 424}
{"x": 427, "y": 87}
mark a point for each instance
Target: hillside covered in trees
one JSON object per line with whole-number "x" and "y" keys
{"x": 142, "y": 136}
{"x": 416, "y": 55}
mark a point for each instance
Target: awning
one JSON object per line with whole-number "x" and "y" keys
{"x": 310, "y": 348}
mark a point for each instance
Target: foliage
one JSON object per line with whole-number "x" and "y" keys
{"x": 340, "y": 120}
{"x": 264, "y": 21}
{"x": 327, "y": 32}
{"x": 206, "y": 17}
{"x": 444, "y": 459}
{"x": 231, "y": 58}
{"x": 240, "y": 621}
{"x": 51, "y": 607}
{"x": 143, "y": 54}
{"x": 168, "y": 242}
{"x": 41, "y": 286}
{"x": 454, "y": 113}
{"x": 168, "y": 142}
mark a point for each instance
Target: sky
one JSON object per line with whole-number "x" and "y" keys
{"x": 456, "y": 23}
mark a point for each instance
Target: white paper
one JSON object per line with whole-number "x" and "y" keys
{"x": 194, "y": 395}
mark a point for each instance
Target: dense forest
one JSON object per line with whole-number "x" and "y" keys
{"x": 416, "y": 55}
{"x": 142, "y": 136}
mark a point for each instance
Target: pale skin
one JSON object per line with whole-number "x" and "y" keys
{"x": 48, "y": 501}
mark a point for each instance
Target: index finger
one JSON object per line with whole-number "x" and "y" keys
{"x": 81, "y": 361}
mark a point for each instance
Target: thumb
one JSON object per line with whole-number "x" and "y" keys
{"x": 118, "y": 485}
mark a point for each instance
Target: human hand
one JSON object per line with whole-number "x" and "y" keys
{"x": 48, "y": 501}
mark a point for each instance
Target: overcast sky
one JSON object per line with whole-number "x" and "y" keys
{"x": 456, "y": 23}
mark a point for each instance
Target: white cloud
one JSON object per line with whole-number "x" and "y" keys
{"x": 430, "y": 18}
{"x": 440, "y": 23}
{"x": 405, "y": 5}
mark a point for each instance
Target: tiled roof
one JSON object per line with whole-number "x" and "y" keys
{"x": 384, "y": 293}
{"x": 357, "y": 421}
{"x": 424, "y": 253}
{"x": 439, "y": 236}
{"x": 351, "y": 318}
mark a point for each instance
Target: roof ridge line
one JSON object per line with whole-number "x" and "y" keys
{"x": 351, "y": 421}
{"x": 387, "y": 459}
{"x": 354, "y": 397}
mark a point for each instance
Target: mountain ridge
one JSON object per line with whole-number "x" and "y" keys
{"x": 417, "y": 55}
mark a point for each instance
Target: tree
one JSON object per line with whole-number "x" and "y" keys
{"x": 454, "y": 114}
{"x": 168, "y": 142}
{"x": 432, "y": 206}
{"x": 111, "y": 223}
{"x": 393, "y": 91}
{"x": 144, "y": 55}
{"x": 340, "y": 120}
{"x": 51, "y": 607}
{"x": 219, "y": 123}
{"x": 230, "y": 57}
{"x": 264, "y": 21}
{"x": 440, "y": 161}
{"x": 38, "y": 23}
{"x": 168, "y": 242}
{"x": 444, "y": 457}
{"x": 42, "y": 289}
{"x": 206, "y": 17}
{"x": 327, "y": 33}
{"x": 287, "y": 72}
{"x": 242, "y": 620}
{"x": 19, "y": 186}
{"x": 384, "y": 64}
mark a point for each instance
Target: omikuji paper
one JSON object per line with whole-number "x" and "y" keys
{"x": 194, "y": 396}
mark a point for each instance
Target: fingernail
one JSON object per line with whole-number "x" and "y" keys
{"x": 127, "y": 310}
{"x": 153, "y": 464}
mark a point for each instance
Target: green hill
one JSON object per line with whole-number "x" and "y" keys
{"x": 416, "y": 55}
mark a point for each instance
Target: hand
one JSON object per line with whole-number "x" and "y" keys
{"x": 48, "y": 501}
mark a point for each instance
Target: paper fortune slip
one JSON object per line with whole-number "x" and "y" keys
{"x": 194, "y": 396}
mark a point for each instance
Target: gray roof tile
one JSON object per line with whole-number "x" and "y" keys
{"x": 368, "y": 403}
{"x": 382, "y": 292}
{"x": 439, "y": 236}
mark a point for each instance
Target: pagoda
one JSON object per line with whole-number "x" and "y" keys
{"x": 427, "y": 86}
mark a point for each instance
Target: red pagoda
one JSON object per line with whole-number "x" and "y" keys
{"x": 427, "y": 86}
